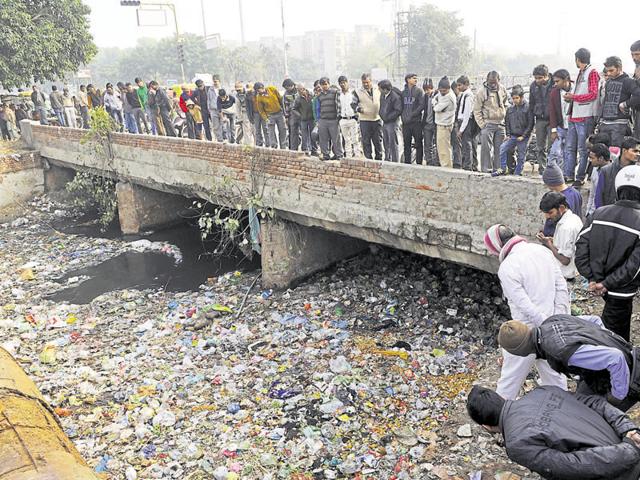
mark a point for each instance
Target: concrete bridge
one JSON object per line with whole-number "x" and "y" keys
{"x": 324, "y": 211}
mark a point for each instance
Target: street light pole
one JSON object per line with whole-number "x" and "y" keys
{"x": 204, "y": 22}
{"x": 284, "y": 42}
{"x": 241, "y": 23}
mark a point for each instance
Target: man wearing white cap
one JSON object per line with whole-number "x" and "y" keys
{"x": 608, "y": 251}
{"x": 535, "y": 289}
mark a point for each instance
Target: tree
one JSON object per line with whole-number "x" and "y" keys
{"x": 436, "y": 44}
{"x": 43, "y": 40}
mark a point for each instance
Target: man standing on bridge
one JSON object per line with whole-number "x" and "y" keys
{"x": 535, "y": 289}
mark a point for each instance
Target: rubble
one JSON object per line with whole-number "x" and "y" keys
{"x": 361, "y": 372}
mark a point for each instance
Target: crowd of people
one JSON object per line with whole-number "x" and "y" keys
{"x": 552, "y": 431}
{"x": 437, "y": 123}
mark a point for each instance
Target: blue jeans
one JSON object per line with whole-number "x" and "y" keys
{"x": 152, "y": 120}
{"x": 558, "y": 150}
{"x": 130, "y": 122}
{"x": 60, "y": 114}
{"x": 521, "y": 148}
{"x": 42, "y": 113}
{"x": 577, "y": 145}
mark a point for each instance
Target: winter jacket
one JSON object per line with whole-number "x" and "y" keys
{"x": 368, "y": 104}
{"x": 329, "y": 104}
{"x": 412, "y": 104}
{"x": 565, "y": 436}
{"x": 133, "y": 99}
{"x": 162, "y": 100}
{"x": 112, "y": 101}
{"x": 622, "y": 89}
{"x": 55, "y": 98}
{"x": 95, "y": 99}
{"x": 428, "y": 115}
{"x": 288, "y": 99}
{"x": 559, "y": 337}
{"x": 38, "y": 99}
{"x": 539, "y": 99}
{"x": 519, "y": 121}
{"x": 226, "y": 103}
{"x": 391, "y": 106}
{"x": 490, "y": 105}
{"x": 556, "y": 118}
{"x": 444, "y": 108}
{"x": 201, "y": 98}
{"x": 269, "y": 103}
{"x": 606, "y": 186}
{"x": 608, "y": 248}
{"x": 303, "y": 107}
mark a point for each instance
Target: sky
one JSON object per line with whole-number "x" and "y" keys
{"x": 509, "y": 27}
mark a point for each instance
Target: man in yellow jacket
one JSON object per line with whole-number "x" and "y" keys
{"x": 269, "y": 106}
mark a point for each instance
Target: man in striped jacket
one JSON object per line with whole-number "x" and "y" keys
{"x": 608, "y": 252}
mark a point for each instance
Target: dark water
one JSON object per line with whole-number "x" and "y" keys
{"x": 147, "y": 269}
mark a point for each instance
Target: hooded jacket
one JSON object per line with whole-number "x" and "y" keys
{"x": 608, "y": 248}
{"x": 622, "y": 89}
{"x": 412, "y": 104}
{"x": 519, "y": 121}
{"x": 564, "y": 436}
{"x": 391, "y": 105}
{"x": 490, "y": 105}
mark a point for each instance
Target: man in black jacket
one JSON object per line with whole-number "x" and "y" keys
{"x": 580, "y": 346}
{"x": 608, "y": 252}
{"x": 539, "y": 105}
{"x": 199, "y": 97}
{"x": 621, "y": 93}
{"x": 390, "y": 111}
{"x": 559, "y": 435}
{"x": 412, "y": 106}
{"x": 635, "y": 56}
{"x": 163, "y": 105}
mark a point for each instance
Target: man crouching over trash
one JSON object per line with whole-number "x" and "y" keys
{"x": 559, "y": 435}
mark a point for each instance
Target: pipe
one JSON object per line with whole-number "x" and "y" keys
{"x": 33, "y": 445}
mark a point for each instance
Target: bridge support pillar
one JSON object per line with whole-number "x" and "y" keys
{"x": 292, "y": 252}
{"x": 140, "y": 208}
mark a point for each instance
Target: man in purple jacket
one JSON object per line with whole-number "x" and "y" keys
{"x": 605, "y": 362}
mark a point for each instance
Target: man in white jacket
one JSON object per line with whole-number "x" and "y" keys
{"x": 535, "y": 289}
{"x": 444, "y": 108}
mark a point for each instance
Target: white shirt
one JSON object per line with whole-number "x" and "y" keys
{"x": 533, "y": 284}
{"x": 465, "y": 111}
{"x": 346, "y": 110}
{"x": 564, "y": 239}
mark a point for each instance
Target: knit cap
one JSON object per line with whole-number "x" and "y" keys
{"x": 444, "y": 83}
{"x": 515, "y": 337}
{"x": 492, "y": 239}
{"x": 552, "y": 176}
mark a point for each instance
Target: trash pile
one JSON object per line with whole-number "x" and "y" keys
{"x": 360, "y": 372}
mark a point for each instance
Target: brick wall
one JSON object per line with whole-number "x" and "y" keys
{"x": 429, "y": 210}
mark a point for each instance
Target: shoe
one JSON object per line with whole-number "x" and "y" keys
{"x": 578, "y": 183}
{"x": 497, "y": 173}
{"x": 326, "y": 157}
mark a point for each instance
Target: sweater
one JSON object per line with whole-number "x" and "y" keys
{"x": 143, "y": 95}
{"x": 444, "y": 108}
{"x": 368, "y": 104}
{"x": 412, "y": 104}
{"x": 269, "y": 103}
{"x": 329, "y": 104}
{"x": 622, "y": 89}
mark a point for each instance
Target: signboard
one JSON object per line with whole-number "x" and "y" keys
{"x": 151, "y": 17}
{"x": 212, "y": 41}
{"x": 207, "y": 78}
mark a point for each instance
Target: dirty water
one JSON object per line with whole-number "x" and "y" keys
{"x": 178, "y": 270}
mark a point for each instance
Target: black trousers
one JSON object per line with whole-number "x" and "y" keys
{"x": 616, "y": 315}
{"x": 412, "y": 131}
{"x": 206, "y": 125}
{"x": 371, "y": 132}
{"x": 168, "y": 125}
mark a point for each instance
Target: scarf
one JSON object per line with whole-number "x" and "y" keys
{"x": 494, "y": 244}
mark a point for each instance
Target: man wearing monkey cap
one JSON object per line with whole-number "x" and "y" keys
{"x": 605, "y": 362}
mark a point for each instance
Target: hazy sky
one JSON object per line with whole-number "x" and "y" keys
{"x": 535, "y": 26}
